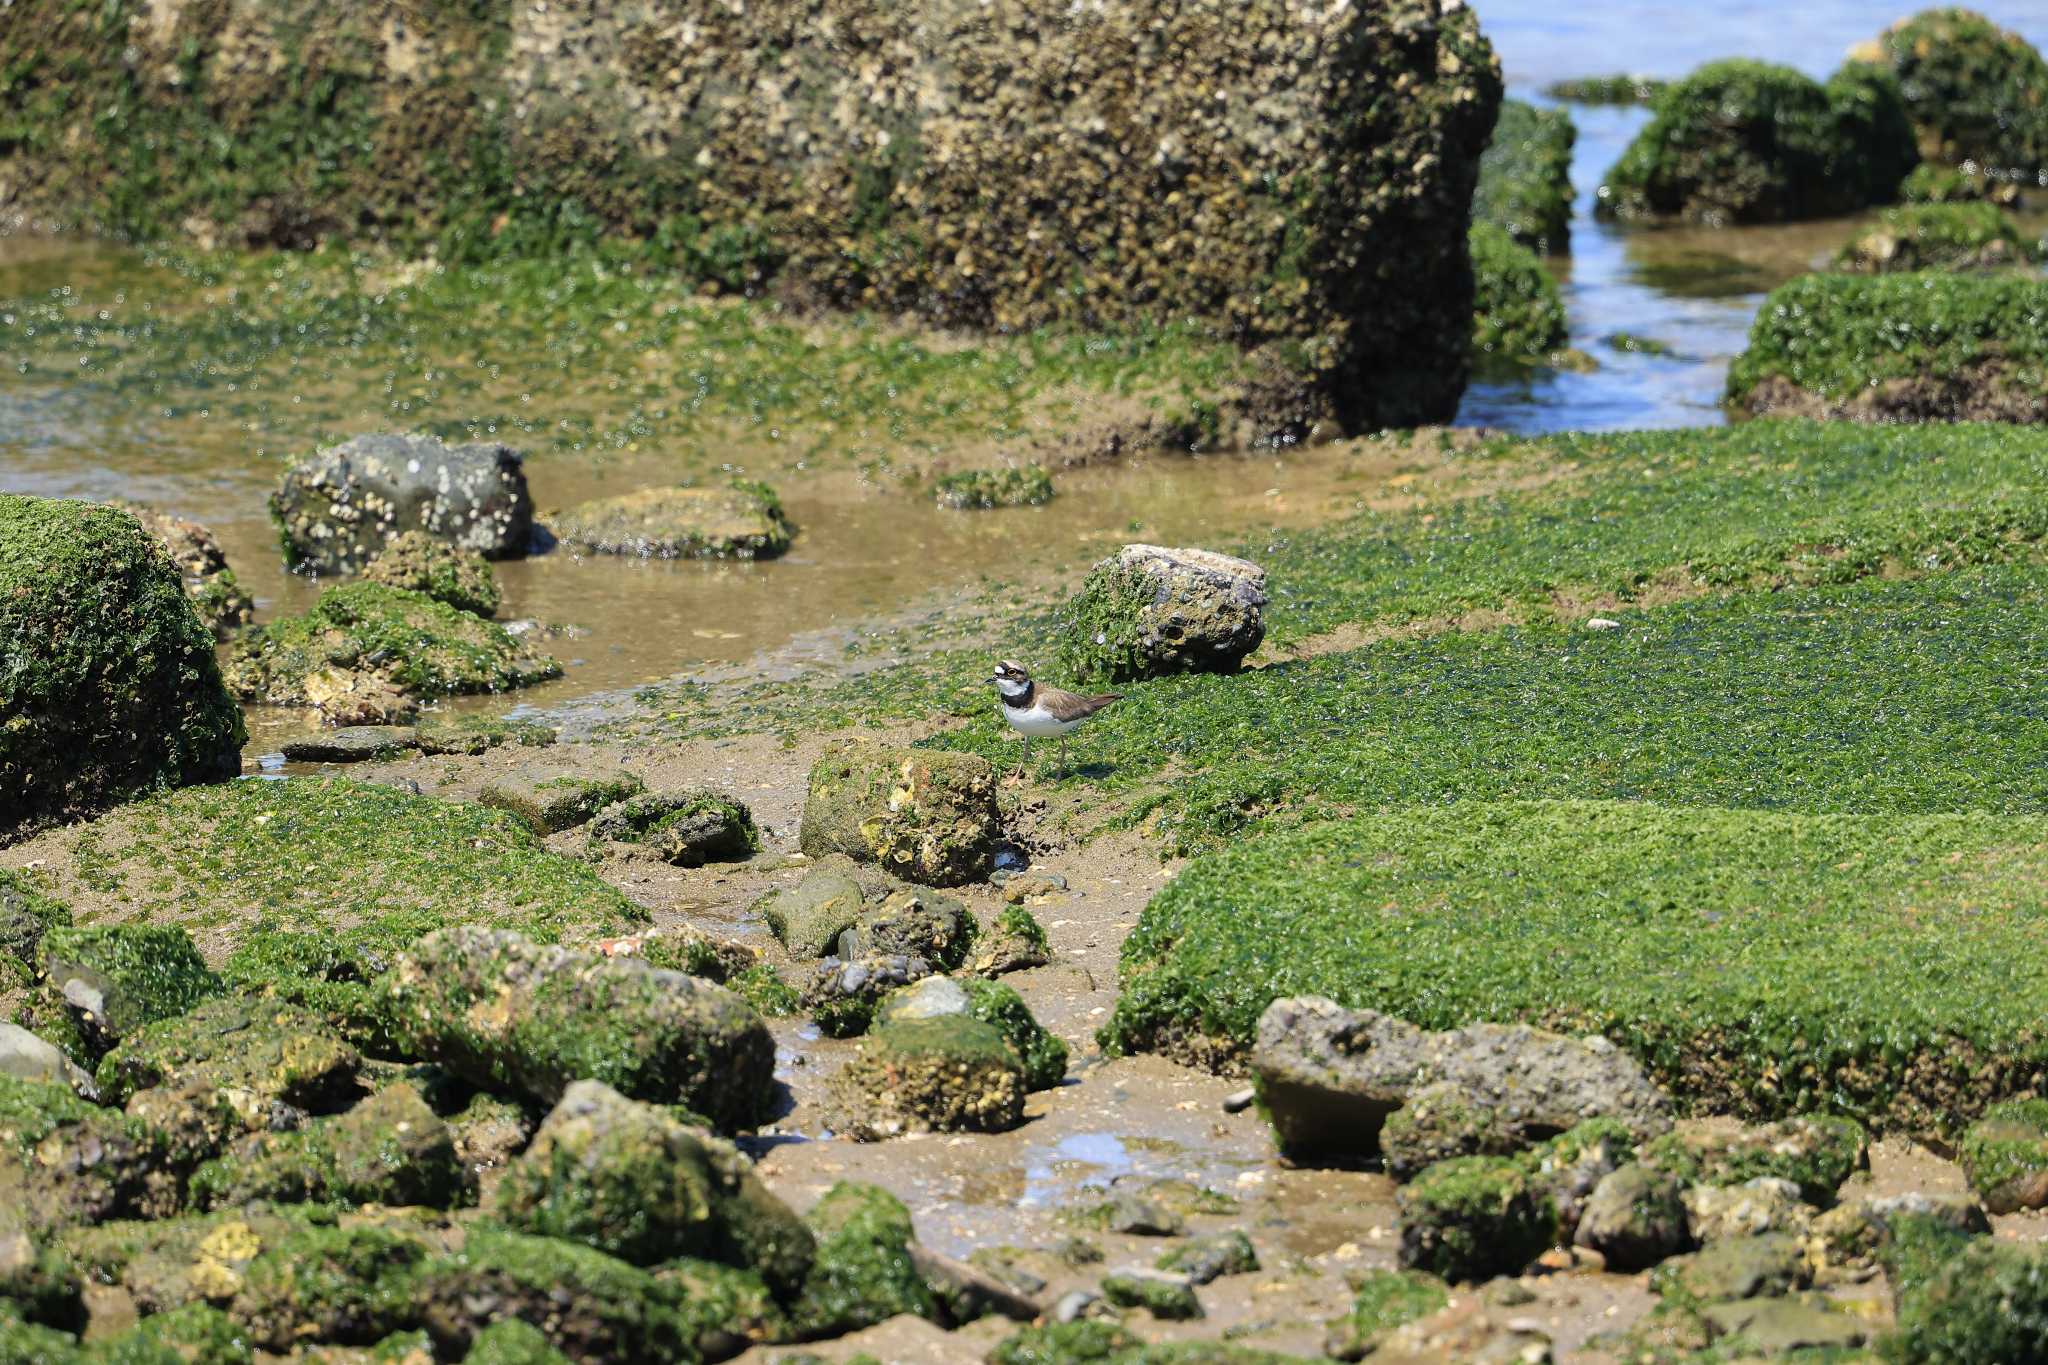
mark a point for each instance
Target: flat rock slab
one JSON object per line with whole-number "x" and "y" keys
{"x": 351, "y": 744}
{"x": 744, "y": 521}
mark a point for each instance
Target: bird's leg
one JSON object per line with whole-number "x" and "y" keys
{"x": 1064, "y": 768}
{"x": 1027, "y": 756}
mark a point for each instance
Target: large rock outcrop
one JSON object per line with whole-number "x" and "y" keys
{"x": 108, "y": 684}
{"x": 1296, "y": 178}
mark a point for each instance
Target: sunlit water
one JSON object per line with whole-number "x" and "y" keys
{"x": 1694, "y": 291}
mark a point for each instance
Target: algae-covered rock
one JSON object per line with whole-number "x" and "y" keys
{"x": 1736, "y": 1268}
{"x": 983, "y": 489}
{"x": 1150, "y": 611}
{"x": 1635, "y": 1218}
{"x": 1741, "y": 141}
{"x": 740, "y": 521}
{"x": 810, "y": 916}
{"x": 1014, "y": 942}
{"x": 1439, "y": 1122}
{"x": 64, "y": 1161}
{"x": 1972, "y": 90}
{"x": 26, "y": 1057}
{"x": 508, "y": 1014}
{"x": 1525, "y": 186}
{"x": 370, "y": 654}
{"x": 1751, "y": 1209}
{"x": 686, "y": 828}
{"x": 327, "y": 976}
{"x": 1964, "y": 1298}
{"x": 271, "y": 1050}
{"x": 913, "y": 920}
{"x": 26, "y": 914}
{"x": 1933, "y": 183}
{"x": 1937, "y": 237}
{"x": 1815, "y": 1152}
{"x": 1165, "y": 1296}
{"x": 390, "y": 1149}
{"x": 1855, "y": 1233}
{"x": 869, "y": 157}
{"x": 1570, "y": 1166}
{"x": 350, "y": 744}
{"x": 862, "y": 1273}
{"x": 923, "y": 815}
{"x": 440, "y": 732}
{"x": 351, "y": 1286}
{"x": 1472, "y": 1218}
{"x": 513, "y": 1342}
{"x": 114, "y": 979}
{"x": 2005, "y": 1155}
{"x": 38, "y": 1281}
{"x": 109, "y": 685}
{"x": 1621, "y": 89}
{"x": 950, "y": 1074}
{"x": 1202, "y": 1259}
{"x": 843, "y": 994}
{"x": 217, "y": 596}
{"x": 338, "y": 509}
{"x": 1042, "y": 1056}
{"x": 1329, "y": 1077}
{"x": 1517, "y": 313}
{"x": 632, "y": 1181}
{"x": 553, "y": 796}
{"x": 1383, "y": 1300}
{"x": 422, "y": 562}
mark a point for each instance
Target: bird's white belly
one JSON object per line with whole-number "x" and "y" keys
{"x": 1037, "y": 721}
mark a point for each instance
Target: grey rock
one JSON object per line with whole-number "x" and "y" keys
{"x": 351, "y": 744}
{"x": 1076, "y": 1304}
{"x": 1330, "y": 1077}
{"x": 338, "y": 508}
{"x": 27, "y": 1057}
{"x": 1755, "y": 1207}
{"x": 912, "y": 920}
{"x": 558, "y": 793}
{"x": 931, "y": 998}
{"x": 1779, "y": 1326}
{"x": 1137, "y": 1216}
{"x": 810, "y": 916}
{"x": 1635, "y": 1218}
{"x": 1203, "y": 1259}
{"x": 1195, "y": 611}
{"x": 1738, "y": 1268}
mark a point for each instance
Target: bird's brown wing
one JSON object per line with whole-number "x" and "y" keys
{"x": 1072, "y": 706}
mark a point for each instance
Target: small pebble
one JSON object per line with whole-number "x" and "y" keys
{"x": 1237, "y": 1101}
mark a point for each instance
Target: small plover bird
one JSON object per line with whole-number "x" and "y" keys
{"x": 1034, "y": 709}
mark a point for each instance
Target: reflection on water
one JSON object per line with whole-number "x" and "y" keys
{"x": 1694, "y": 290}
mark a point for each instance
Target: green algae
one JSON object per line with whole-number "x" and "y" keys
{"x": 1517, "y": 313}
{"x": 1043, "y": 1056}
{"x": 984, "y": 489}
{"x": 26, "y": 917}
{"x": 862, "y": 1273}
{"x": 273, "y": 1050}
{"x": 1689, "y": 937}
{"x": 1069, "y": 1343}
{"x": 389, "y": 1149}
{"x": 1972, "y": 89}
{"x": 1472, "y": 1218}
{"x": 108, "y": 680}
{"x": 142, "y": 973}
{"x": 1525, "y": 186}
{"x": 1606, "y": 89}
{"x": 1967, "y": 236}
{"x": 325, "y": 974}
{"x": 1381, "y": 1301}
{"x": 421, "y": 563}
{"x": 1965, "y": 1299}
{"x": 2008, "y": 1147}
{"x": 1815, "y": 1152}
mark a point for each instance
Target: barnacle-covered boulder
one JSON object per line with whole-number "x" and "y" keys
{"x": 338, "y": 509}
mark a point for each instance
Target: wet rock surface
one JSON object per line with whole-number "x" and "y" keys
{"x": 350, "y": 744}
{"x": 918, "y": 814}
{"x": 338, "y": 509}
{"x": 743, "y": 521}
{"x": 1152, "y": 611}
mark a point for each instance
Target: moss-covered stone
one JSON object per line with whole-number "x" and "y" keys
{"x": 1383, "y": 1300}
{"x": 110, "y": 688}
{"x": 1167, "y": 1297}
{"x": 325, "y": 975}
{"x": 1898, "y": 348}
{"x": 740, "y": 521}
{"x": 915, "y": 921}
{"x": 196, "y": 1334}
{"x": 1473, "y": 1218}
{"x": 349, "y": 1286}
{"x": 2005, "y": 1155}
{"x": 1933, "y": 183}
{"x": 1202, "y": 1259}
{"x": 1439, "y": 1122}
{"x": 274, "y": 1051}
{"x": 1815, "y": 1152}
{"x": 1765, "y": 1266}
{"x": 1606, "y": 89}
{"x": 1856, "y": 1233}
{"x": 1525, "y": 186}
{"x": 424, "y": 563}
{"x": 26, "y": 915}
{"x": 1042, "y": 1056}
{"x": 366, "y": 653}
{"x": 686, "y": 828}
{"x": 1635, "y": 1217}
{"x": 949, "y": 1074}
{"x": 217, "y": 596}
{"x": 1517, "y": 312}
{"x": 1150, "y": 611}
{"x": 1972, "y": 89}
{"x": 631, "y": 1181}
{"x": 1742, "y": 141}
{"x": 1015, "y": 941}
{"x": 844, "y": 994}
{"x": 862, "y": 1273}
{"x": 924, "y": 816}
{"x": 116, "y": 978}
{"x": 512, "y": 1015}
{"x": 810, "y": 916}
{"x": 513, "y": 1342}
{"x": 982, "y": 489}
{"x": 39, "y": 1282}
{"x": 442, "y": 732}
{"x": 1967, "y": 236}
{"x": 943, "y": 188}
{"x": 553, "y": 796}
{"x": 390, "y": 1149}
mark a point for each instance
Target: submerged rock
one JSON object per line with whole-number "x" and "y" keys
{"x": 1330, "y": 1077}
{"x": 631, "y": 1181}
{"x": 740, "y": 521}
{"x": 350, "y": 744}
{"x": 686, "y": 828}
{"x": 217, "y": 595}
{"x": 923, "y": 815}
{"x": 508, "y": 1014}
{"x": 1152, "y": 611}
{"x": 944, "y": 1075}
{"x": 424, "y": 563}
{"x": 337, "y": 510}
{"x": 111, "y": 689}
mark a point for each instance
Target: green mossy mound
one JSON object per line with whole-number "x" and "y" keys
{"x": 686, "y": 828}
{"x": 274, "y": 1051}
{"x": 1517, "y": 313}
{"x": 739, "y": 521}
{"x": 980, "y": 490}
{"x": 1965, "y": 236}
{"x": 925, "y": 817}
{"x": 26, "y": 917}
{"x": 1472, "y": 1218}
{"x": 553, "y": 795}
{"x": 426, "y": 564}
{"x": 1964, "y": 1298}
{"x": 948, "y": 1074}
{"x": 2005, "y": 1155}
{"x": 1685, "y": 936}
{"x": 1816, "y": 1153}
{"x": 1931, "y": 183}
{"x": 1043, "y": 1057}
{"x": 442, "y": 733}
{"x": 1525, "y": 186}
{"x": 326, "y": 975}
{"x": 862, "y": 1273}
{"x": 1898, "y": 348}
{"x": 392, "y": 867}
{"x": 1091, "y": 1341}
{"x": 390, "y": 1149}
{"x": 108, "y": 683}
{"x": 1973, "y": 91}
{"x": 415, "y": 645}
{"x": 113, "y": 979}
{"x": 1741, "y": 141}
{"x": 64, "y": 1162}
